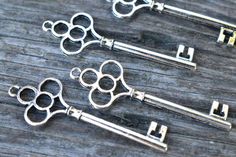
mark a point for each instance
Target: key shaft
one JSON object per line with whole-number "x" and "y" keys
{"x": 161, "y": 103}
{"x": 146, "y": 140}
{"x": 196, "y": 16}
{"x": 154, "y": 55}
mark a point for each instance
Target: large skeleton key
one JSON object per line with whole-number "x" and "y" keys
{"x": 80, "y": 33}
{"x": 126, "y": 8}
{"x": 107, "y": 82}
{"x": 34, "y": 100}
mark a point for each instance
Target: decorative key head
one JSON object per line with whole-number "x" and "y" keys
{"x": 126, "y": 8}
{"x": 76, "y": 35}
{"x": 99, "y": 83}
{"x": 33, "y": 99}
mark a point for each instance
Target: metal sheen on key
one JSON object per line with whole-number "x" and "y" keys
{"x": 79, "y": 33}
{"x": 127, "y": 8}
{"x": 107, "y": 82}
{"x": 44, "y": 91}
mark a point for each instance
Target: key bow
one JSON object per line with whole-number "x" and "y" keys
{"x": 97, "y": 84}
{"x": 74, "y": 34}
{"x": 33, "y": 101}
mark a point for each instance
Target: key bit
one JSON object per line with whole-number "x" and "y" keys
{"x": 219, "y": 110}
{"x": 152, "y": 132}
{"x": 227, "y": 36}
{"x": 184, "y": 53}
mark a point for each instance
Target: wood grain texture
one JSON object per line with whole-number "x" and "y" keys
{"x": 28, "y": 55}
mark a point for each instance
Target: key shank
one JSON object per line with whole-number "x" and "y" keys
{"x": 214, "y": 119}
{"x": 196, "y": 16}
{"x": 147, "y": 54}
{"x": 156, "y": 143}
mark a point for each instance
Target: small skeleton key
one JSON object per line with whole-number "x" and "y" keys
{"x": 80, "y": 33}
{"x": 217, "y": 116}
{"x": 34, "y": 102}
{"x": 126, "y": 8}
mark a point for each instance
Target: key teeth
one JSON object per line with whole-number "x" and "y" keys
{"x": 215, "y": 107}
{"x": 232, "y": 40}
{"x": 222, "y": 37}
{"x": 181, "y": 51}
{"x": 153, "y": 129}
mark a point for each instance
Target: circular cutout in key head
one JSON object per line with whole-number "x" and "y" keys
{"x": 36, "y": 121}
{"x": 87, "y": 82}
{"x": 100, "y": 105}
{"x": 46, "y": 104}
{"x": 26, "y": 95}
{"x": 106, "y": 83}
{"x": 77, "y": 33}
{"x": 47, "y": 85}
{"x": 84, "y": 20}
{"x": 113, "y": 68}
{"x": 60, "y": 28}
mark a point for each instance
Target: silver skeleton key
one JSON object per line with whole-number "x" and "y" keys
{"x": 126, "y": 8}
{"x": 35, "y": 102}
{"x": 80, "y": 33}
{"x": 217, "y": 116}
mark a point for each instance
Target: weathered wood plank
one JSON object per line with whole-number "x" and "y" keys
{"x": 28, "y": 55}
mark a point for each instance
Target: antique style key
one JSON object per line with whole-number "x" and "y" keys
{"x": 34, "y": 103}
{"x": 80, "y": 33}
{"x": 126, "y": 8}
{"x": 107, "y": 82}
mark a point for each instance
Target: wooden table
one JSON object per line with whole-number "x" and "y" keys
{"x": 28, "y": 55}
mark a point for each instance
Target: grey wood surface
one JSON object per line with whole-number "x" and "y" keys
{"x": 28, "y": 55}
